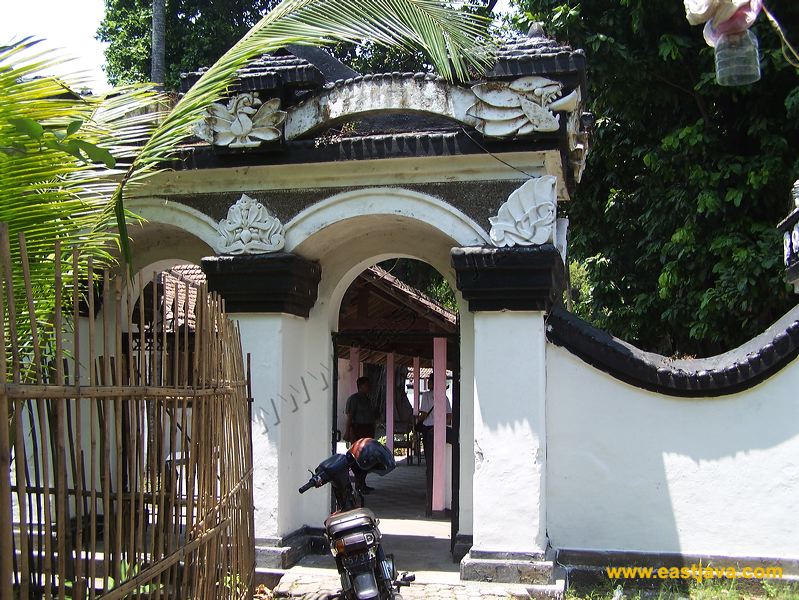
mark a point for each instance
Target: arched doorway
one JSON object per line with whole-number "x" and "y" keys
{"x": 398, "y": 323}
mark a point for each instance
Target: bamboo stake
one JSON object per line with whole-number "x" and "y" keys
{"x": 37, "y": 366}
{"x": 20, "y": 460}
{"x": 173, "y": 419}
{"x": 7, "y": 569}
{"x": 80, "y": 483}
{"x": 106, "y": 432}
{"x": 130, "y": 430}
{"x": 151, "y": 418}
{"x": 60, "y": 460}
{"x": 142, "y": 401}
{"x": 5, "y": 255}
{"x": 118, "y": 446}
{"x": 93, "y": 436}
{"x": 162, "y": 414}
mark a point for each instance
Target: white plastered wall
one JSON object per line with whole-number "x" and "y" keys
{"x": 637, "y": 471}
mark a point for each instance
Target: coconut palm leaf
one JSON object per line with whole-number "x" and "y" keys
{"x": 455, "y": 40}
{"x": 59, "y": 155}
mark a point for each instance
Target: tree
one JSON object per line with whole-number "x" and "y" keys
{"x": 196, "y": 33}
{"x": 674, "y": 221}
{"x": 158, "y": 42}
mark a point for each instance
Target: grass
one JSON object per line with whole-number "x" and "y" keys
{"x": 707, "y": 590}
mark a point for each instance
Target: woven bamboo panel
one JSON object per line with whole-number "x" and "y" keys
{"x": 125, "y": 443}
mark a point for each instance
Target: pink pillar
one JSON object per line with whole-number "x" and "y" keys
{"x": 416, "y": 385}
{"x": 390, "y": 401}
{"x": 355, "y": 368}
{"x": 439, "y": 423}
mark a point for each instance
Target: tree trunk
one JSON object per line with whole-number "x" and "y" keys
{"x": 157, "y": 68}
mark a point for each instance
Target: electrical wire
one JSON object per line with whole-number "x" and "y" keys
{"x": 788, "y": 51}
{"x": 494, "y": 156}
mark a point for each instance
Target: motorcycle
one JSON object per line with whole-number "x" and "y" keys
{"x": 352, "y": 532}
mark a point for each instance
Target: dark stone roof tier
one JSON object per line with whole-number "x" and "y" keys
{"x": 305, "y": 66}
{"x": 523, "y": 55}
{"x": 728, "y": 373}
{"x": 269, "y": 72}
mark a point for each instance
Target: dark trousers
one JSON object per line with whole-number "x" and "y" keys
{"x": 427, "y": 440}
{"x": 363, "y": 430}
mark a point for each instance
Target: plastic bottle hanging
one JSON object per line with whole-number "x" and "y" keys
{"x": 737, "y": 59}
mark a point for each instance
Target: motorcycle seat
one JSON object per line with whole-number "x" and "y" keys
{"x": 349, "y": 520}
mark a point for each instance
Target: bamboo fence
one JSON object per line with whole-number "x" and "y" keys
{"x": 125, "y": 460}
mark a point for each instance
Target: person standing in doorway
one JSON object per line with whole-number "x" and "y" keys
{"x": 427, "y": 418}
{"x": 361, "y": 417}
{"x": 360, "y": 413}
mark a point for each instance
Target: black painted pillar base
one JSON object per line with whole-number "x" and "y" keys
{"x": 528, "y": 278}
{"x": 278, "y": 282}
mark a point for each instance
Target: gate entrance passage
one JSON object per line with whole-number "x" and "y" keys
{"x": 398, "y": 338}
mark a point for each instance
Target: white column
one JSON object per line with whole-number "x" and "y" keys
{"x": 415, "y": 385}
{"x": 280, "y": 410}
{"x": 509, "y": 432}
{"x": 390, "y": 401}
{"x": 439, "y": 423}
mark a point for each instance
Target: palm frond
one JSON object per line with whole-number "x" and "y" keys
{"x": 46, "y": 191}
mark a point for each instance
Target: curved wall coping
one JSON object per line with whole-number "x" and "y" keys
{"x": 728, "y": 373}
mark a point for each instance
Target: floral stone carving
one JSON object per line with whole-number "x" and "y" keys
{"x": 521, "y": 107}
{"x": 528, "y": 216}
{"x": 250, "y": 229}
{"x": 244, "y": 122}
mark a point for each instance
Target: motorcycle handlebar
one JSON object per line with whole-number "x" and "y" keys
{"x": 307, "y": 486}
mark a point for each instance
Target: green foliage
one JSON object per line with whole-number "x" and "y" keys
{"x": 368, "y": 57}
{"x": 675, "y": 219}
{"x": 58, "y": 152}
{"x": 423, "y": 277}
{"x": 198, "y": 32}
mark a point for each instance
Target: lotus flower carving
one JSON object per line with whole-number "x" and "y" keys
{"x": 520, "y": 107}
{"x": 250, "y": 229}
{"x": 244, "y": 122}
{"x": 528, "y": 216}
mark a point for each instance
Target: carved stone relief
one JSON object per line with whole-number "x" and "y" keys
{"x": 250, "y": 229}
{"x": 244, "y": 122}
{"x": 521, "y": 107}
{"x": 528, "y": 216}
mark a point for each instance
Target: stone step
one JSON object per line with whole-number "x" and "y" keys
{"x": 507, "y": 570}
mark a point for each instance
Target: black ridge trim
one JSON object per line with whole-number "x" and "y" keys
{"x": 280, "y": 282}
{"x": 728, "y": 373}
